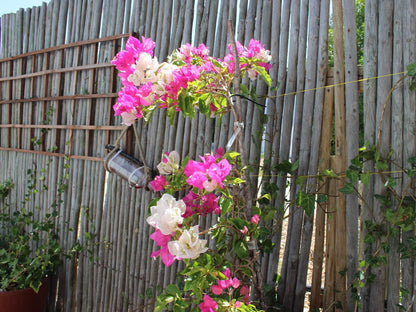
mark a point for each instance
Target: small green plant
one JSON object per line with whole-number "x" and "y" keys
{"x": 30, "y": 247}
{"x": 29, "y": 250}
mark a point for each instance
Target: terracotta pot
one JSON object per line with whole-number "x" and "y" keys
{"x": 24, "y": 300}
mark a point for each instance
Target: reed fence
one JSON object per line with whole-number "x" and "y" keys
{"x": 57, "y": 90}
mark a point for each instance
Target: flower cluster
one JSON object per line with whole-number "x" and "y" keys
{"x": 176, "y": 84}
{"x": 192, "y": 80}
{"x": 168, "y": 215}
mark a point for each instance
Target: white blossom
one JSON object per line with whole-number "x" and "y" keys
{"x": 167, "y": 214}
{"x": 188, "y": 245}
{"x": 169, "y": 164}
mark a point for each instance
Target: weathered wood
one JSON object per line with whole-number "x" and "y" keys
{"x": 311, "y": 118}
{"x": 324, "y": 130}
{"x": 352, "y": 133}
{"x": 296, "y": 215}
{"x": 370, "y": 70}
{"x": 340, "y": 152}
{"x": 321, "y": 211}
{"x": 409, "y": 136}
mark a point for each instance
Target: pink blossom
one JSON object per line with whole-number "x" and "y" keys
{"x": 255, "y": 219}
{"x": 227, "y": 273}
{"x": 159, "y": 183}
{"x": 201, "y": 51}
{"x": 123, "y": 60}
{"x": 235, "y": 282}
{"x": 237, "y": 304}
{"x": 216, "y": 289}
{"x": 134, "y": 45}
{"x": 245, "y": 292}
{"x": 201, "y": 204}
{"x": 165, "y": 255}
{"x": 159, "y": 238}
{"x": 219, "y": 153}
{"x": 197, "y": 179}
{"x": 244, "y": 230}
{"x": 208, "y": 305}
{"x": 193, "y": 166}
{"x": 210, "y": 204}
{"x": 224, "y": 283}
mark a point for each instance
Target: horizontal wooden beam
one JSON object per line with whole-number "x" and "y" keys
{"x": 57, "y": 71}
{"x": 51, "y": 154}
{"x": 65, "y": 46}
{"x": 62, "y": 98}
{"x": 64, "y": 127}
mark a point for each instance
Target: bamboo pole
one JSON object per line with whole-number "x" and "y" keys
{"x": 329, "y": 300}
{"x": 290, "y": 262}
{"x": 370, "y": 70}
{"x": 268, "y": 266}
{"x": 311, "y": 119}
{"x": 321, "y": 211}
{"x": 340, "y": 152}
{"x": 352, "y": 133}
{"x": 324, "y": 130}
{"x": 393, "y": 271}
{"x": 409, "y": 136}
{"x": 383, "y": 118}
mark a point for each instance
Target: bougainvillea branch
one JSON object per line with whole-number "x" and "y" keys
{"x": 191, "y": 81}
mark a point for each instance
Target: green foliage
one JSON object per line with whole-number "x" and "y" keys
{"x": 30, "y": 248}
{"x": 411, "y": 72}
{"x": 398, "y": 212}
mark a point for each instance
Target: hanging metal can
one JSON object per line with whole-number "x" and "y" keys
{"x": 127, "y": 167}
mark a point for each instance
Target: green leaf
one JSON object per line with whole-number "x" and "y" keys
{"x": 171, "y": 111}
{"x": 274, "y": 89}
{"x": 347, "y": 189}
{"x": 241, "y": 249}
{"x": 263, "y": 73}
{"x": 365, "y": 178}
{"x": 411, "y": 69}
{"x": 352, "y": 175}
{"x": 322, "y": 198}
{"x": 329, "y": 173}
{"x": 244, "y": 90}
{"x": 173, "y": 290}
{"x": 149, "y": 293}
{"x": 391, "y": 182}
{"x": 225, "y": 204}
{"x": 306, "y": 201}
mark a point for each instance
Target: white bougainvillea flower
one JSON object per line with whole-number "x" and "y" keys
{"x": 167, "y": 214}
{"x": 169, "y": 164}
{"x": 144, "y": 70}
{"x": 188, "y": 246}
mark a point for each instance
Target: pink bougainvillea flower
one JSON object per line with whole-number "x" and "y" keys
{"x": 244, "y": 230}
{"x": 210, "y": 204}
{"x": 197, "y": 180}
{"x": 158, "y": 183}
{"x": 217, "y": 290}
{"x": 135, "y": 46}
{"x": 165, "y": 255}
{"x": 255, "y": 219}
{"x": 159, "y": 238}
{"x": 235, "y": 282}
{"x": 208, "y": 305}
{"x": 219, "y": 153}
{"x": 201, "y": 204}
{"x": 123, "y": 60}
{"x": 245, "y": 292}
